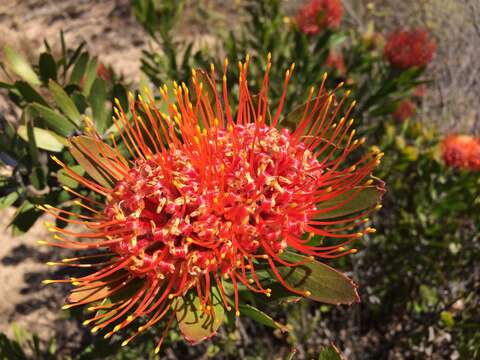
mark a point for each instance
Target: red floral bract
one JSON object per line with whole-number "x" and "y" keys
{"x": 462, "y": 152}
{"x": 408, "y": 48}
{"x": 335, "y": 61}
{"x": 405, "y": 110}
{"x": 317, "y": 15}
{"x": 209, "y": 195}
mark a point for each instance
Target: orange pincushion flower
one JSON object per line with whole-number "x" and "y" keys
{"x": 210, "y": 196}
{"x": 318, "y": 15}
{"x": 408, "y": 48}
{"x": 462, "y": 152}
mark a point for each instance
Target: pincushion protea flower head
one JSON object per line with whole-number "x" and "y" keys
{"x": 462, "y": 152}
{"x": 209, "y": 201}
{"x": 317, "y": 15}
{"x": 405, "y": 49}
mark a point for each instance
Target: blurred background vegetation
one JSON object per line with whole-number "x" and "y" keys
{"x": 418, "y": 274}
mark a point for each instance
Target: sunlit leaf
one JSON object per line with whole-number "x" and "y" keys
{"x": 196, "y": 324}
{"x": 98, "y": 97}
{"x": 8, "y": 200}
{"x": 66, "y": 179}
{"x": 20, "y": 66}
{"x": 44, "y": 139}
{"x": 324, "y": 283}
{"x": 53, "y": 120}
{"x": 350, "y": 202}
{"x": 90, "y": 76}
{"x": 64, "y": 102}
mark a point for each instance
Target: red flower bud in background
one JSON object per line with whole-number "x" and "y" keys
{"x": 408, "y": 48}
{"x": 462, "y": 152}
{"x": 405, "y": 110}
{"x": 318, "y": 15}
{"x": 420, "y": 91}
{"x": 335, "y": 61}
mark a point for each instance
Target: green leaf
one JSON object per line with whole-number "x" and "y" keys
{"x": 90, "y": 76}
{"x": 47, "y": 67}
{"x": 79, "y": 68}
{"x": 10, "y": 349}
{"x": 53, "y": 120}
{"x": 428, "y": 294}
{"x": 447, "y": 319}
{"x": 64, "y": 102}
{"x": 324, "y": 283}
{"x": 24, "y": 218}
{"x": 260, "y": 317}
{"x": 120, "y": 93}
{"x": 32, "y": 144}
{"x": 98, "y": 97}
{"x": 29, "y": 93}
{"x": 8, "y": 200}
{"x": 66, "y": 179}
{"x": 37, "y": 178}
{"x": 329, "y": 353}
{"x": 196, "y": 325}
{"x": 44, "y": 139}
{"x": 349, "y": 202}
{"x": 20, "y": 66}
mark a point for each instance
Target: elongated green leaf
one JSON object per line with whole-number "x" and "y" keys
{"x": 195, "y": 324}
{"x": 20, "y": 66}
{"x": 260, "y": 317}
{"x": 24, "y": 218}
{"x": 47, "y": 67}
{"x": 66, "y": 179}
{"x": 8, "y": 200}
{"x": 350, "y": 202}
{"x": 44, "y": 139}
{"x": 90, "y": 76}
{"x": 64, "y": 102}
{"x": 53, "y": 120}
{"x": 79, "y": 69}
{"x": 324, "y": 283}
{"x": 29, "y": 93}
{"x": 329, "y": 353}
{"x": 98, "y": 97}
{"x": 32, "y": 144}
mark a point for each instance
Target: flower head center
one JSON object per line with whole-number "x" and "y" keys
{"x": 202, "y": 211}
